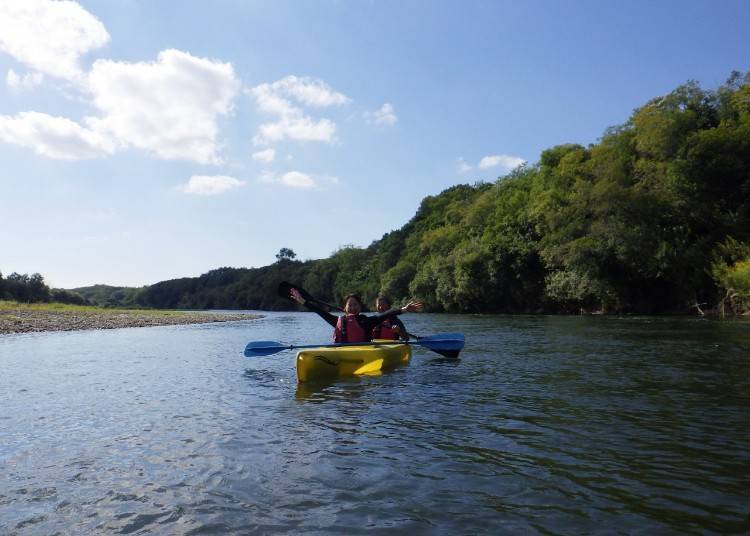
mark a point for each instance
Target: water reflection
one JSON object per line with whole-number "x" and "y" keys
{"x": 314, "y": 391}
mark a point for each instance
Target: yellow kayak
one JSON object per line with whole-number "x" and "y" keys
{"x": 325, "y": 363}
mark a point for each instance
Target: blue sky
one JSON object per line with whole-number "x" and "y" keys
{"x": 143, "y": 141}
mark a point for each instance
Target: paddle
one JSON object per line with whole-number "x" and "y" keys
{"x": 445, "y": 344}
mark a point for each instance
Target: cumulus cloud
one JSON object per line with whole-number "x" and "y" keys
{"x": 49, "y": 36}
{"x": 210, "y": 184}
{"x": 297, "y": 179}
{"x": 296, "y": 128}
{"x": 54, "y": 137}
{"x": 385, "y": 116}
{"x": 18, "y": 82}
{"x": 463, "y": 166}
{"x": 169, "y": 107}
{"x": 309, "y": 91}
{"x": 284, "y": 99}
{"x": 505, "y": 162}
{"x": 267, "y": 156}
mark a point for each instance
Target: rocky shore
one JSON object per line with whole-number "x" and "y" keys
{"x": 24, "y": 320}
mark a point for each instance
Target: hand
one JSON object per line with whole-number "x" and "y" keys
{"x": 296, "y": 296}
{"x": 412, "y": 307}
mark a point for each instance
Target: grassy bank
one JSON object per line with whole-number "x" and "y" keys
{"x": 36, "y": 317}
{"x": 6, "y": 305}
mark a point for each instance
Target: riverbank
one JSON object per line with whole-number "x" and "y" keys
{"x": 30, "y": 318}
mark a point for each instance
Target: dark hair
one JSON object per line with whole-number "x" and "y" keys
{"x": 355, "y": 296}
{"x": 384, "y": 298}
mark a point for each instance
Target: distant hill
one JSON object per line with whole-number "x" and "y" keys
{"x": 108, "y": 296}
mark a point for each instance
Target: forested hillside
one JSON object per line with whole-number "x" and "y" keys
{"x": 653, "y": 218}
{"x": 27, "y": 288}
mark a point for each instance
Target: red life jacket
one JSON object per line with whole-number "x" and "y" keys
{"x": 385, "y": 330}
{"x": 348, "y": 329}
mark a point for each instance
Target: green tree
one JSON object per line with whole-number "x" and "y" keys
{"x": 285, "y": 254}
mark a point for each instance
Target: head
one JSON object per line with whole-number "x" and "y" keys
{"x": 382, "y": 304}
{"x": 353, "y": 304}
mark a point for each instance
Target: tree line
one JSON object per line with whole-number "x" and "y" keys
{"x": 653, "y": 218}
{"x": 27, "y": 288}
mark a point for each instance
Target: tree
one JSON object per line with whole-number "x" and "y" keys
{"x": 285, "y": 254}
{"x": 38, "y": 291}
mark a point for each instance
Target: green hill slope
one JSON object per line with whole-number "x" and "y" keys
{"x": 653, "y": 218}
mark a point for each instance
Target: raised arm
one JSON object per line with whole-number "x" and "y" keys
{"x": 322, "y": 313}
{"x": 411, "y": 307}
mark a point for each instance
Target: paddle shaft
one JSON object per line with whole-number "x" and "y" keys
{"x": 344, "y": 344}
{"x": 448, "y": 345}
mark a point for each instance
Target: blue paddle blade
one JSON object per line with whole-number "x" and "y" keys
{"x": 446, "y": 344}
{"x": 454, "y": 337}
{"x": 261, "y": 348}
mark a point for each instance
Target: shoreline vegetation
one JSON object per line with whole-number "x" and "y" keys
{"x": 652, "y": 219}
{"x": 41, "y": 317}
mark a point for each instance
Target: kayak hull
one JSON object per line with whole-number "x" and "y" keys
{"x": 328, "y": 363}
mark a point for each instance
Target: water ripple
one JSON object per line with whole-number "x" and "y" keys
{"x": 546, "y": 424}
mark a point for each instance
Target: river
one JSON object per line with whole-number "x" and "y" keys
{"x": 550, "y": 425}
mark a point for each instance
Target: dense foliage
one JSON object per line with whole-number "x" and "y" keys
{"x": 32, "y": 289}
{"x": 653, "y": 218}
{"x": 108, "y": 296}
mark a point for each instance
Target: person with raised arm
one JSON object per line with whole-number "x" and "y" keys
{"x": 353, "y": 326}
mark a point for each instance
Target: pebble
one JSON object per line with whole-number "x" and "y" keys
{"x": 29, "y": 321}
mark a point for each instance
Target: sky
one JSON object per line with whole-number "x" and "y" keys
{"x": 142, "y": 141}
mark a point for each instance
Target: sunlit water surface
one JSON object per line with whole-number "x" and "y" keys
{"x": 546, "y": 424}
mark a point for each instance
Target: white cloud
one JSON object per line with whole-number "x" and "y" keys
{"x": 308, "y": 91}
{"x": 17, "y": 82}
{"x": 269, "y": 101}
{"x": 295, "y": 179}
{"x": 505, "y": 162}
{"x": 210, "y": 184}
{"x": 463, "y": 166}
{"x": 169, "y": 107}
{"x": 301, "y": 128}
{"x": 54, "y": 137}
{"x": 292, "y": 123}
{"x": 266, "y": 156}
{"x": 48, "y": 36}
{"x": 385, "y": 116}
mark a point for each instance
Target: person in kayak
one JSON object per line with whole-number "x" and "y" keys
{"x": 353, "y": 326}
{"x": 391, "y": 328}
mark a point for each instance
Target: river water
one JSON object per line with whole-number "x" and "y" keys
{"x": 552, "y": 425}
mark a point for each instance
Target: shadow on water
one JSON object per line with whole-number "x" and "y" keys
{"x": 442, "y": 361}
{"x": 351, "y": 389}
{"x": 262, "y": 377}
{"x": 313, "y": 391}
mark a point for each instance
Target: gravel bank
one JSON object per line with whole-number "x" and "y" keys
{"x": 27, "y": 321}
